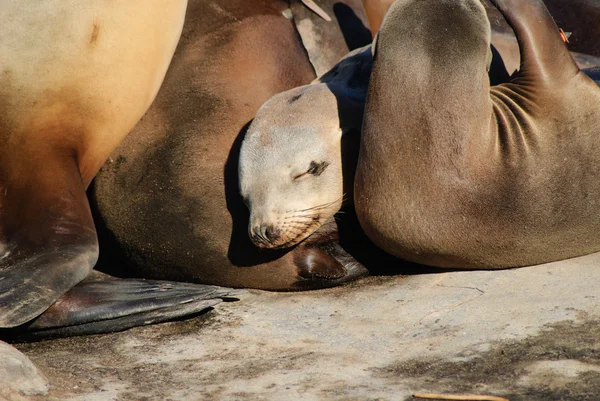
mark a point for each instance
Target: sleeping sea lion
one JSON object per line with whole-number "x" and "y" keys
{"x": 167, "y": 203}
{"x": 298, "y": 158}
{"x": 455, "y": 173}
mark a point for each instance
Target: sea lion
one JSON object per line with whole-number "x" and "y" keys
{"x": 167, "y": 203}
{"x": 298, "y": 158}
{"x": 455, "y": 173}
{"x": 576, "y": 17}
{"x": 74, "y": 79}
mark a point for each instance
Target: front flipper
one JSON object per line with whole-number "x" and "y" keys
{"x": 30, "y": 281}
{"x": 47, "y": 236}
{"x": 544, "y": 55}
{"x": 326, "y": 265}
{"x": 94, "y": 307}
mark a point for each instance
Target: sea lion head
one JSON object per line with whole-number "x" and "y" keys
{"x": 290, "y": 169}
{"x": 290, "y": 166}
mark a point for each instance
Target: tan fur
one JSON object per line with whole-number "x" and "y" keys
{"x": 75, "y": 77}
{"x": 297, "y": 129}
{"x": 82, "y": 85}
{"x": 453, "y": 173}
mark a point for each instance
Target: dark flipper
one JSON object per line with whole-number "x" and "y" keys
{"x": 47, "y": 237}
{"x": 30, "y": 282}
{"x": 94, "y": 307}
{"x": 544, "y": 56}
{"x": 322, "y": 262}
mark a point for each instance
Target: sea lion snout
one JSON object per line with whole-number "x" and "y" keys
{"x": 274, "y": 230}
{"x": 265, "y": 235}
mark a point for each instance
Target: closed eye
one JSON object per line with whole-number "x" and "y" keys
{"x": 314, "y": 168}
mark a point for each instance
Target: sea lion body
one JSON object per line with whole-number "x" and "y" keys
{"x": 168, "y": 201}
{"x": 74, "y": 79}
{"x": 455, "y": 173}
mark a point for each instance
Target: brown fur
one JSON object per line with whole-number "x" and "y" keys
{"x": 326, "y": 46}
{"x": 169, "y": 198}
{"x": 376, "y": 10}
{"x": 453, "y": 173}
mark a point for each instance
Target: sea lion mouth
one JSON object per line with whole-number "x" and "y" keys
{"x": 293, "y": 226}
{"x": 290, "y": 232}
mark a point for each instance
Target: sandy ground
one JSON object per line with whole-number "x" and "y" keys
{"x": 525, "y": 334}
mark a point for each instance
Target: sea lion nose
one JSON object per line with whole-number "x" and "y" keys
{"x": 265, "y": 234}
{"x": 272, "y": 233}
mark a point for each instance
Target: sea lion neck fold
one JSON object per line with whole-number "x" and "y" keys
{"x": 453, "y": 173}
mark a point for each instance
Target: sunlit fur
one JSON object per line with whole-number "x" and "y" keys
{"x": 291, "y": 132}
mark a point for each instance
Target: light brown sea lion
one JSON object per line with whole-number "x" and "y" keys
{"x": 455, "y": 173}
{"x": 168, "y": 200}
{"x": 74, "y": 79}
{"x": 298, "y": 158}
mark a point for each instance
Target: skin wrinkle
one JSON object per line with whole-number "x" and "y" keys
{"x": 497, "y": 169}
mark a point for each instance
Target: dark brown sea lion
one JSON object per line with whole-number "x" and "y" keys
{"x": 169, "y": 200}
{"x": 455, "y": 173}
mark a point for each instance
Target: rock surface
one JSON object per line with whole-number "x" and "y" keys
{"x": 525, "y": 334}
{"x": 18, "y": 376}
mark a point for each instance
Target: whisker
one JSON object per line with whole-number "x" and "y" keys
{"x": 304, "y": 216}
{"x": 322, "y": 206}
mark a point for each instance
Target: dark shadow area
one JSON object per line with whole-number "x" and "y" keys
{"x": 498, "y": 73}
{"x": 355, "y": 33}
{"x": 112, "y": 259}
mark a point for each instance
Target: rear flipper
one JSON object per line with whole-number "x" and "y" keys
{"x": 94, "y": 307}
